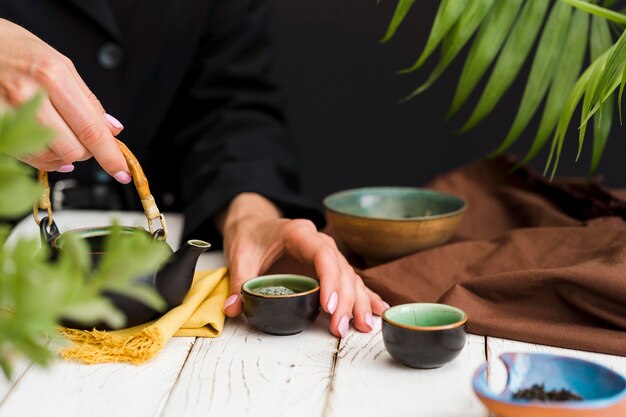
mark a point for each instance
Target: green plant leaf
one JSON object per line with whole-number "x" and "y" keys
{"x": 620, "y": 94}
{"x": 600, "y": 42}
{"x": 146, "y": 294}
{"x": 21, "y": 133}
{"x": 569, "y": 68}
{"x": 447, "y": 15}
{"x": 94, "y": 310}
{"x": 542, "y": 71}
{"x": 74, "y": 258}
{"x": 510, "y": 60}
{"x": 121, "y": 265}
{"x": 402, "y": 9}
{"x": 484, "y": 49}
{"x": 456, "y": 39}
{"x": 591, "y": 101}
{"x": 596, "y": 10}
{"x": 603, "y": 121}
{"x": 568, "y": 110}
{"x": 23, "y": 191}
{"x": 6, "y": 365}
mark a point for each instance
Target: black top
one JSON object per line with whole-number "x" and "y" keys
{"x": 189, "y": 81}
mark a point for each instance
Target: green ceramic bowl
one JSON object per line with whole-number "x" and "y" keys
{"x": 281, "y": 314}
{"x": 424, "y": 335}
{"x": 386, "y": 223}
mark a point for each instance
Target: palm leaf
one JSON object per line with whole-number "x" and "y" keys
{"x": 600, "y": 42}
{"x": 568, "y": 110}
{"x": 402, "y": 9}
{"x": 506, "y": 32}
{"x": 447, "y": 15}
{"x": 511, "y": 58}
{"x": 542, "y": 71}
{"x": 484, "y": 49}
{"x": 569, "y": 68}
{"x": 596, "y": 10}
{"x": 456, "y": 39}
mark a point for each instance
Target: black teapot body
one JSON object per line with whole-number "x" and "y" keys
{"x": 172, "y": 281}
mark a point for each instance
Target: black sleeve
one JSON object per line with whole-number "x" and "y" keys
{"x": 233, "y": 137}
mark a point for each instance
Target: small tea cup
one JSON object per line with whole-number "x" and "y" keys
{"x": 279, "y": 314}
{"x": 424, "y": 335}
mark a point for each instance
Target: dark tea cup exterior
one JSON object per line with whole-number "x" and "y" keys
{"x": 281, "y": 315}
{"x": 424, "y": 347}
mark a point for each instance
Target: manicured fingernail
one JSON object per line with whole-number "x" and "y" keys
{"x": 332, "y": 303}
{"x": 65, "y": 168}
{"x": 386, "y": 305}
{"x": 123, "y": 177}
{"x": 369, "y": 320}
{"x": 114, "y": 122}
{"x": 343, "y": 326}
{"x": 230, "y": 301}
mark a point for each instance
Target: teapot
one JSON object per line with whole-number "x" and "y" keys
{"x": 172, "y": 281}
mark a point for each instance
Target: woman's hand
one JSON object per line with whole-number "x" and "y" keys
{"x": 83, "y": 128}
{"x": 255, "y": 236}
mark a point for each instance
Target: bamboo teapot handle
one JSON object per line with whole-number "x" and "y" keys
{"x": 141, "y": 183}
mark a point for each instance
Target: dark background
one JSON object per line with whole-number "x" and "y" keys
{"x": 341, "y": 96}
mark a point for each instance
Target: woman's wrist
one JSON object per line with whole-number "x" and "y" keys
{"x": 246, "y": 206}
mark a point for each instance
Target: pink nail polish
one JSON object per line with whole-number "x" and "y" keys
{"x": 369, "y": 320}
{"x": 386, "y": 305}
{"x": 122, "y": 177}
{"x": 343, "y": 326}
{"x": 114, "y": 122}
{"x": 230, "y": 301}
{"x": 332, "y": 303}
{"x": 65, "y": 168}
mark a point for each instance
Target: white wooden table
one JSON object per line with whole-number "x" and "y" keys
{"x": 248, "y": 373}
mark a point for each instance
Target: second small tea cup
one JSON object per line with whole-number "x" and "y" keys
{"x": 281, "y": 314}
{"x": 424, "y": 335}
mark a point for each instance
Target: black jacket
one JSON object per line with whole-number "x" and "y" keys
{"x": 189, "y": 81}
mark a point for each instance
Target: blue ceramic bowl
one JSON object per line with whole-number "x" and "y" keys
{"x": 603, "y": 391}
{"x": 385, "y": 223}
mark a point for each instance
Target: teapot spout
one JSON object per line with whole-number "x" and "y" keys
{"x": 174, "y": 279}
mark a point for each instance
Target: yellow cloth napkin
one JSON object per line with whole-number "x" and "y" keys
{"x": 199, "y": 315}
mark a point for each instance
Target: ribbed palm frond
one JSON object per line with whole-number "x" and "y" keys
{"x": 502, "y": 35}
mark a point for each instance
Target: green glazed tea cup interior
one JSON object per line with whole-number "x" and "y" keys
{"x": 299, "y": 284}
{"x": 425, "y": 316}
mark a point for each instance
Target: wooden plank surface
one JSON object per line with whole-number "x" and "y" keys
{"x": 497, "y": 371}
{"x": 368, "y": 382}
{"x": 120, "y": 390}
{"x": 6, "y": 386}
{"x": 247, "y": 373}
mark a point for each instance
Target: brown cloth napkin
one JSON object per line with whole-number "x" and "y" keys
{"x": 533, "y": 260}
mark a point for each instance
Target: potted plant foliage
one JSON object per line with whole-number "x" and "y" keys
{"x": 500, "y": 35}
{"x": 36, "y": 293}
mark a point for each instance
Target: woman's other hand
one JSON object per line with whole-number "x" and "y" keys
{"x": 255, "y": 236}
{"x": 82, "y": 126}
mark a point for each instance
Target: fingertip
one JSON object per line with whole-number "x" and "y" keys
{"x": 232, "y": 306}
{"x": 331, "y": 304}
{"x": 65, "y": 168}
{"x": 122, "y": 177}
{"x": 115, "y": 125}
{"x": 379, "y": 307}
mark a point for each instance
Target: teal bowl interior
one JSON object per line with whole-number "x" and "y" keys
{"x": 425, "y": 316}
{"x": 395, "y": 203}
